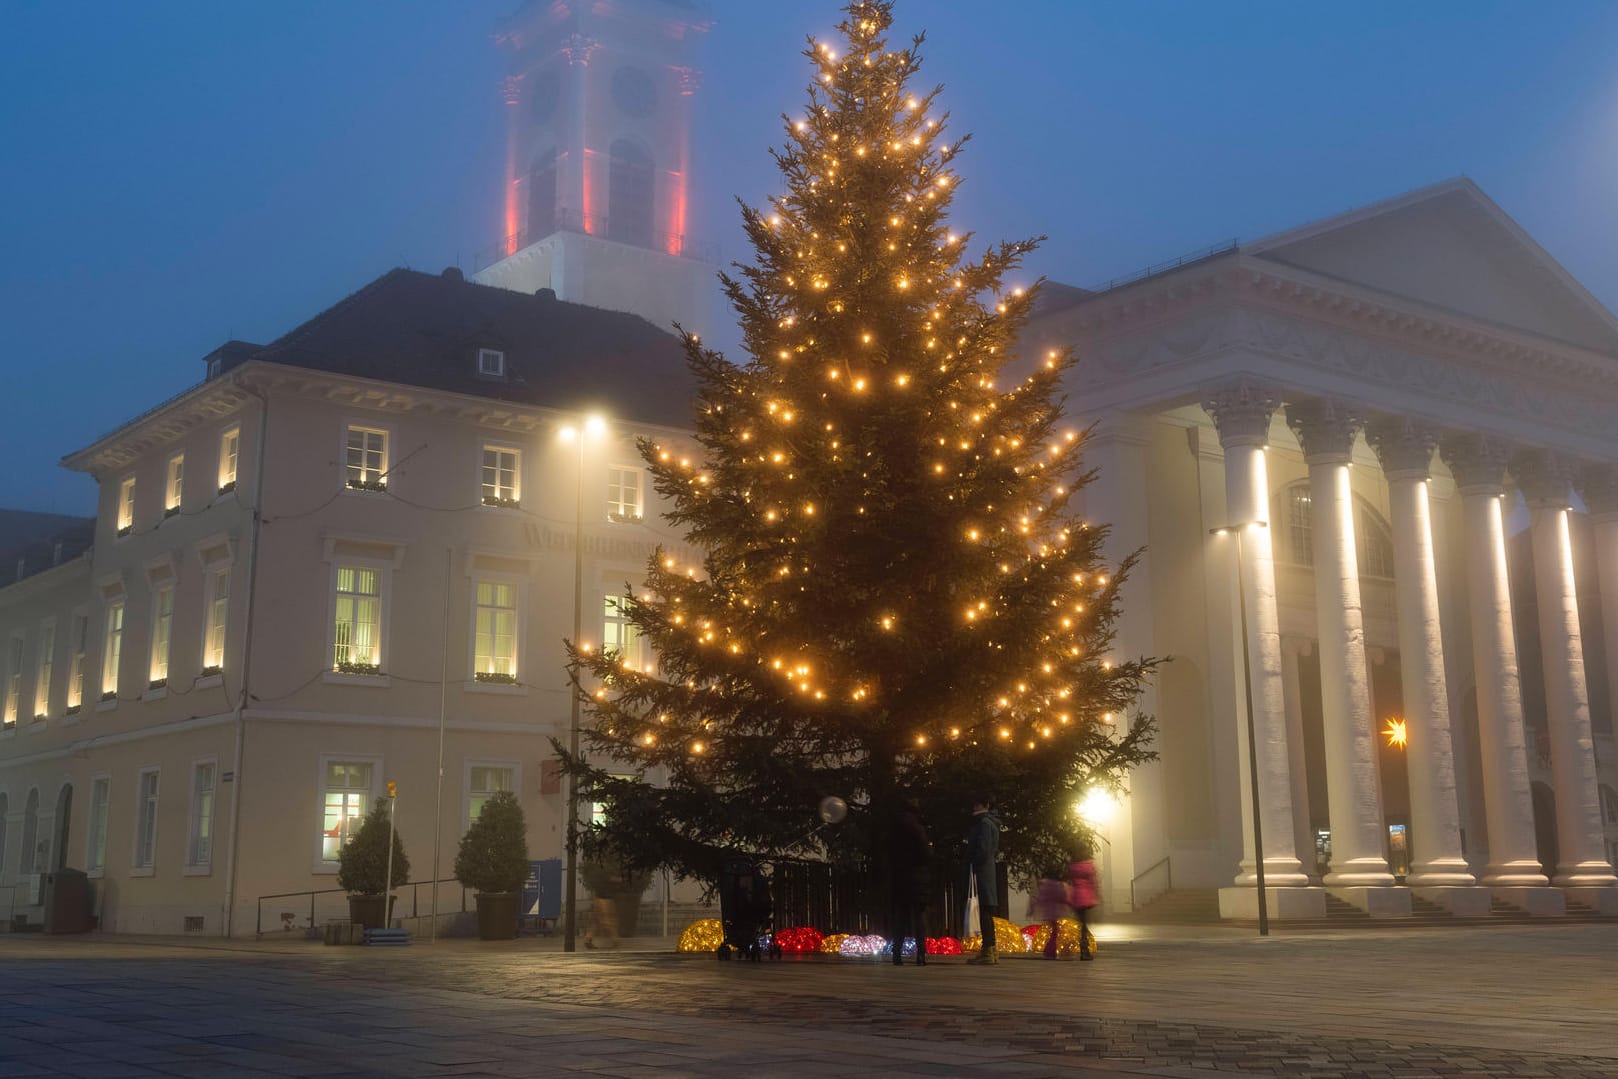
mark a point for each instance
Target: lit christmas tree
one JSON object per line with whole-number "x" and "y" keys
{"x": 895, "y": 599}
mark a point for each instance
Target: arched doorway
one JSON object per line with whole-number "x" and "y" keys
{"x": 30, "y": 834}
{"x": 1545, "y": 828}
{"x": 64, "y": 821}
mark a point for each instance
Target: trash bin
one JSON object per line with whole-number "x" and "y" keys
{"x": 745, "y": 907}
{"x": 67, "y": 902}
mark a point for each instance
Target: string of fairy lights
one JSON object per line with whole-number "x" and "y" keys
{"x": 866, "y": 320}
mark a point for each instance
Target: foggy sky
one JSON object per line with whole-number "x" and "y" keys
{"x": 176, "y": 174}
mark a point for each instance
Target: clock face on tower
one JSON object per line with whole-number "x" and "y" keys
{"x": 634, "y": 92}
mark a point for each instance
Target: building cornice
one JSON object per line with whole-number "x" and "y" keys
{"x": 170, "y": 421}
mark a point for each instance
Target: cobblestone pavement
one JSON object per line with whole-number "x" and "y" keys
{"x": 1536, "y": 1001}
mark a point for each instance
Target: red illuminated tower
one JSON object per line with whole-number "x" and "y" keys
{"x": 598, "y": 100}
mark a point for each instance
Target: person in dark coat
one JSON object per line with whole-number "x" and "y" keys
{"x": 909, "y": 877}
{"x": 982, "y": 845}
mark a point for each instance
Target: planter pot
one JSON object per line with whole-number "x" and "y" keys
{"x": 628, "y": 915}
{"x": 369, "y": 911}
{"x": 497, "y": 915}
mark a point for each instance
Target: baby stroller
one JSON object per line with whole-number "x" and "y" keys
{"x": 745, "y": 909}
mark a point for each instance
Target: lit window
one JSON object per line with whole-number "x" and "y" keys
{"x": 162, "y": 633}
{"x": 213, "y": 636}
{"x": 495, "y": 649}
{"x": 126, "y": 506}
{"x": 174, "y": 485}
{"x": 367, "y": 458}
{"x": 199, "y": 845}
{"x": 230, "y": 445}
{"x": 347, "y": 797}
{"x": 1373, "y": 541}
{"x": 358, "y": 621}
{"x": 501, "y": 476}
{"x": 619, "y": 634}
{"x": 1301, "y": 525}
{"x": 47, "y": 660}
{"x": 491, "y": 362}
{"x": 100, "y": 798}
{"x": 623, "y": 493}
{"x": 13, "y": 680}
{"x": 79, "y": 643}
{"x": 483, "y": 782}
{"x": 146, "y": 820}
{"x": 112, "y": 650}
{"x": 598, "y": 810}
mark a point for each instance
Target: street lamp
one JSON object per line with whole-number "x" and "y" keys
{"x": 592, "y": 425}
{"x": 1252, "y": 738}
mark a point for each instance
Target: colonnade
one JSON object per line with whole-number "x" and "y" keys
{"x": 1326, "y": 430}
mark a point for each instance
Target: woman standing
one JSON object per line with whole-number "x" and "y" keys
{"x": 1084, "y": 889}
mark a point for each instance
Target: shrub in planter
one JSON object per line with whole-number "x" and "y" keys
{"x": 493, "y": 861}
{"x": 362, "y": 868}
{"x": 609, "y": 878}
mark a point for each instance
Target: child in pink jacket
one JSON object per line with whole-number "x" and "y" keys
{"x": 1083, "y": 891}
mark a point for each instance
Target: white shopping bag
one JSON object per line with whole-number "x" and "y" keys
{"x": 971, "y": 926}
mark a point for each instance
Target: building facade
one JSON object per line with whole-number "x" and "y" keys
{"x": 302, "y": 575}
{"x": 1402, "y": 420}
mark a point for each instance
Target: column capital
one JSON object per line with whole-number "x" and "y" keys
{"x": 1326, "y": 429}
{"x": 1546, "y": 478}
{"x": 1404, "y": 446}
{"x": 1477, "y": 461}
{"x": 1599, "y": 486}
{"x": 1293, "y": 644}
{"x": 1241, "y": 411}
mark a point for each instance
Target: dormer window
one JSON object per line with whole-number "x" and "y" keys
{"x": 214, "y": 365}
{"x": 491, "y": 363}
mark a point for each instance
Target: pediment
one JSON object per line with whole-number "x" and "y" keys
{"x": 1450, "y": 246}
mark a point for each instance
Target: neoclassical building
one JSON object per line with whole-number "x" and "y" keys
{"x": 1405, "y": 421}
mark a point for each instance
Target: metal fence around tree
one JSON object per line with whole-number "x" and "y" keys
{"x": 853, "y": 897}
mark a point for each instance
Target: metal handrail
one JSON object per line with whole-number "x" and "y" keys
{"x": 415, "y": 887}
{"x": 1160, "y": 267}
{"x": 1168, "y": 884}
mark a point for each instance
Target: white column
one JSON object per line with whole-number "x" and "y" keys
{"x": 1326, "y": 432}
{"x": 1406, "y": 453}
{"x": 1303, "y": 834}
{"x": 1546, "y": 481}
{"x": 1601, "y": 497}
{"x": 1478, "y": 465}
{"x": 1242, "y": 413}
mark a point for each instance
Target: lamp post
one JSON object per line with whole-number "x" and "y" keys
{"x": 570, "y": 919}
{"x": 1252, "y": 737}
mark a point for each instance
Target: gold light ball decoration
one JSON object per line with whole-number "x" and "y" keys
{"x": 703, "y": 935}
{"x": 1007, "y": 938}
{"x": 832, "y": 943}
{"x": 1067, "y": 938}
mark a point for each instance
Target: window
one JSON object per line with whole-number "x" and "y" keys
{"x": 1301, "y": 524}
{"x": 347, "y": 797}
{"x": 367, "y": 459}
{"x": 1373, "y": 542}
{"x": 174, "y": 485}
{"x": 42, "y": 674}
{"x": 79, "y": 642}
{"x": 28, "y": 857}
{"x": 95, "y": 853}
{"x": 146, "y": 821}
{"x": 491, "y": 362}
{"x": 213, "y": 634}
{"x": 5, "y": 806}
{"x": 162, "y": 631}
{"x": 13, "y": 679}
{"x": 494, "y": 651}
{"x": 598, "y": 810}
{"x": 483, "y": 781}
{"x": 630, "y": 180}
{"x": 199, "y": 845}
{"x": 542, "y": 196}
{"x": 623, "y": 493}
{"x": 357, "y": 635}
{"x": 112, "y": 650}
{"x": 126, "y": 506}
{"x": 230, "y": 445}
{"x": 501, "y": 476}
{"x": 619, "y": 634}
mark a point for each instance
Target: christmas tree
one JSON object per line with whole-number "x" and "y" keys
{"x": 895, "y": 599}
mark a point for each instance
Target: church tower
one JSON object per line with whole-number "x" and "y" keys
{"x": 598, "y": 104}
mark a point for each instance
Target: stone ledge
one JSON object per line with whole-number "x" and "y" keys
{"x": 1462, "y": 902}
{"x": 1376, "y": 901}
{"x": 1284, "y": 904}
{"x": 1540, "y": 902}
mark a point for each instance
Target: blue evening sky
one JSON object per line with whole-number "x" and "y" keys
{"x": 173, "y": 174}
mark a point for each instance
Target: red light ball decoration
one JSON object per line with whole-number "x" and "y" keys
{"x": 943, "y": 946}
{"x": 799, "y": 940}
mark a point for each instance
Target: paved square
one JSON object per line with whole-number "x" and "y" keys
{"x": 1533, "y": 1001}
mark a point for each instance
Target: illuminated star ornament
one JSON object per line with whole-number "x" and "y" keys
{"x": 1395, "y": 733}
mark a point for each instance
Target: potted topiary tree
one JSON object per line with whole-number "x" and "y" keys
{"x": 493, "y": 860}
{"x": 362, "y": 868}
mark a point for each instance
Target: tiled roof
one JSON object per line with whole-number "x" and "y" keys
{"x": 28, "y": 542}
{"x": 426, "y": 329}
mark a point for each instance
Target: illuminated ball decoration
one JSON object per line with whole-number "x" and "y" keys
{"x": 1067, "y": 937}
{"x": 704, "y": 935}
{"x": 799, "y": 940}
{"x": 1008, "y": 936}
{"x": 832, "y": 943}
{"x": 943, "y": 946}
{"x": 1033, "y": 937}
{"x": 869, "y": 944}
